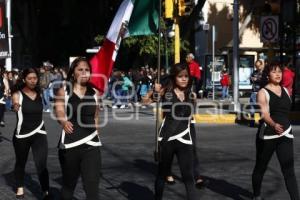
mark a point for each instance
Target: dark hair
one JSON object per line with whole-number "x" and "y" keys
{"x": 175, "y": 70}
{"x": 20, "y": 84}
{"x": 268, "y": 68}
{"x": 70, "y": 75}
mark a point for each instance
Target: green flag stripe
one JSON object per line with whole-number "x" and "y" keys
{"x": 144, "y": 18}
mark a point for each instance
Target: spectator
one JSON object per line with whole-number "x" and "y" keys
{"x": 225, "y": 84}
{"x": 117, "y": 82}
{"x": 256, "y": 80}
{"x": 126, "y": 85}
{"x": 44, "y": 84}
{"x": 194, "y": 71}
{"x": 2, "y": 102}
{"x": 11, "y": 83}
{"x": 288, "y": 76}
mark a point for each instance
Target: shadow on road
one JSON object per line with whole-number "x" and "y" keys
{"x": 132, "y": 191}
{"x": 135, "y": 191}
{"x": 227, "y": 189}
{"x": 219, "y": 186}
{"x": 2, "y": 138}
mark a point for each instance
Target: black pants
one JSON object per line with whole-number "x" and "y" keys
{"x": 39, "y": 146}
{"x": 185, "y": 156}
{"x": 196, "y": 163}
{"x": 195, "y": 85}
{"x": 83, "y": 160}
{"x": 2, "y": 110}
{"x": 196, "y": 159}
{"x": 285, "y": 154}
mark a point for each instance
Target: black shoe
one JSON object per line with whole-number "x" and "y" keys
{"x": 170, "y": 182}
{"x": 2, "y": 124}
{"x": 47, "y": 196}
{"x": 200, "y": 183}
{"x": 20, "y": 196}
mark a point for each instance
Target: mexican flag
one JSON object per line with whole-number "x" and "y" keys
{"x": 134, "y": 17}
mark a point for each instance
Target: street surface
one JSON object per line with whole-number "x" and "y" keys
{"x": 226, "y": 152}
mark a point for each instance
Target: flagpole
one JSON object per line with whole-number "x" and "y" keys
{"x": 156, "y": 153}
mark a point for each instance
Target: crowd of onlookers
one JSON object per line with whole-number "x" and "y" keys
{"x": 136, "y": 86}
{"x": 125, "y": 89}
{"x": 132, "y": 88}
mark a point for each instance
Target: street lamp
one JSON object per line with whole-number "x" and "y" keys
{"x": 235, "y": 27}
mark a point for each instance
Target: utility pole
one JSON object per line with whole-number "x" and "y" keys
{"x": 177, "y": 40}
{"x": 166, "y": 52}
{"x": 156, "y": 151}
{"x": 235, "y": 56}
{"x": 213, "y": 61}
{"x": 8, "y": 61}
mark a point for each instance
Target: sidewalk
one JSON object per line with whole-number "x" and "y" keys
{"x": 222, "y": 112}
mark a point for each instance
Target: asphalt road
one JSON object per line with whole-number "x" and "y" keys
{"x": 226, "y": 152}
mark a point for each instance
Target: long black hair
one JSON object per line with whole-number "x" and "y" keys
{"x": 175, "y": 70}
{"x": 20, "y": 83}
{"x": 70, "y": 76}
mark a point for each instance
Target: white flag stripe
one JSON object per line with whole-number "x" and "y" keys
{"x": 123, "y": 15}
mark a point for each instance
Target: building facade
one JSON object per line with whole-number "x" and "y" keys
{"x": 261, "y": 37}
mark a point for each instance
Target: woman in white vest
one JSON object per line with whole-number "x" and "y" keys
{"x": 30, "y": 131}
{"x": 275, "y": 133}
{"x": 77, "y": 110}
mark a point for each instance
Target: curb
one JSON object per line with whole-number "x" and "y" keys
{"x": 235, "y": 118}
{"x": 215, "y": 118}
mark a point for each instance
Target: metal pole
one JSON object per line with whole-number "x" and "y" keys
{"x": 281, "y": 32}
{"x": 166, "y": 52}
{"x": 236, "y": 56}
{"x": 294, "y": 55}
{"x": 177, "y": 40}
{"x": 156, "y": 152}
{"x": 8, "y": 61}
{"x": 213, "y": 61}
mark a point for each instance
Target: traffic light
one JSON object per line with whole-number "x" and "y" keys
{"x": 185, "y": 7}
{"x": 169, "y": 9}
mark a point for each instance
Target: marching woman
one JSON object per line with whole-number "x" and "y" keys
{"x": 77, "y": 110}
{"x": 175, "y": 133}
{"x": 30, "y": 131}
{"x": 274, "y": 133}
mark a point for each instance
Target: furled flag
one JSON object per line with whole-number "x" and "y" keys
{"x": 134, "y": 17}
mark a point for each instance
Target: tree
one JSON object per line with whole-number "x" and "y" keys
{"x": 143, "y": 49}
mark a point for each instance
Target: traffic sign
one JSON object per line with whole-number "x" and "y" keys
{"x": 269, "y": 28}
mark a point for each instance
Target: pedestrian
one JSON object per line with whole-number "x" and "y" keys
{"x": 117, "y": 82}
{"x": 2, "y": 96}
{"x": 175, "y": 134}
{"x": 30, "y": 131}
{"x": 145, "y": 83}
{"x": 256, "y": 80}
{"x": 195, "y": 72}
{"x": 44, "y": 84}
{"x": 126, "y": 86}
{"x": 274, "y": 133}
{"x": 11, "y": 83}
{"x": 288, "y": 76}
{"x": 77, "y": 110}
{"x": 224, "y": 83}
